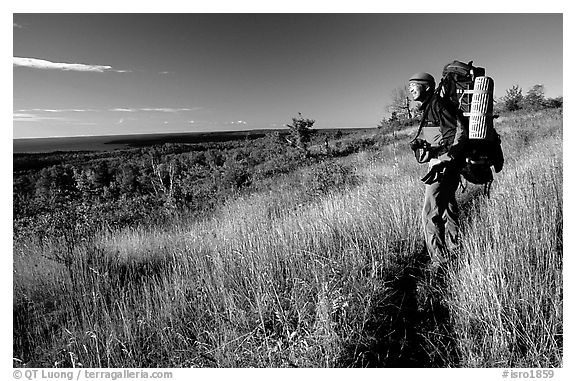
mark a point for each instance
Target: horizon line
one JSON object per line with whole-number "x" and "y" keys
{"x": 185, "y": 132}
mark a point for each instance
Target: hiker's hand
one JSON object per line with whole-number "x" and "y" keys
{"x": 440, "y": 160}
{"x": 436, "y": 168}
{"x": 434, "y": 174}
{"x": 434, "y": 162}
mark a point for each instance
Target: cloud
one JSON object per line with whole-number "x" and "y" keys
{"x": 166, "y": 109}
{"x": 35, "y": 63}
{"x": 117, "y": 109}
{"x": 156, "y": 109}
{"x": 237, "y": 122}
{"x": 22, "y": 116}
{"x": 27, "y": 117}
{"x": 16, "y": 25}
{"x": 123, "y": 109}
{"x": 56, "y": 110}
{"x": 42, "y": 115}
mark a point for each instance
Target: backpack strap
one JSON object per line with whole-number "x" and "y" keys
{"x": 463, "y": 184}
{"x": 487, "y": 188}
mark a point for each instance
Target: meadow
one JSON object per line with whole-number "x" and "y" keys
{"x": 323, "y": 268}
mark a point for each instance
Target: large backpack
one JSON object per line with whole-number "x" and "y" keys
{"x": 467, "y": 87}
{"x": 457, "y": 82}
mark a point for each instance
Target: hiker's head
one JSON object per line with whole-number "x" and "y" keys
{"x": 420, "y": 86}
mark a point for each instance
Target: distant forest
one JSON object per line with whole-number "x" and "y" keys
{"x": 73, "y": 194}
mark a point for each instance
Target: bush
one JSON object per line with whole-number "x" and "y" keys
{"x": 300, "y": 131}
{"x": 534, "y": 99}
{"x": 513, "y": 99}
{"x": 554, "y": 102}
{"x": 236, "y": 176}
{"x": 329, "y": 177}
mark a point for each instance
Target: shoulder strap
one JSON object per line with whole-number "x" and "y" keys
{"x": 422, "y": 121}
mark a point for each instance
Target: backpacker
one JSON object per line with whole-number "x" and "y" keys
{"x": 467, "y": 88}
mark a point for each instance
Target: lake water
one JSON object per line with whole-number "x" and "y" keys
{"x": 108, "y": 143}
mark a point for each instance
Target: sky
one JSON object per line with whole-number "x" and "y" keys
{"x": 109, "y": 74}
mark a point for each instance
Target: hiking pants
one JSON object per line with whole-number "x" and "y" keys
{"x": 440, "y": 215}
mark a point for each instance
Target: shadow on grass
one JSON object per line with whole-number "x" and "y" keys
{"x": 408, "y": 325}
{"x": 409, "y": 322}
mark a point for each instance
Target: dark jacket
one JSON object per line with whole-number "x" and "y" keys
{"x": 446, "y": 128}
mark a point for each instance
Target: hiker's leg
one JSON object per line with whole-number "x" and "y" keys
{"x": 433, "y": 222}
{"x": 449, "y": 187}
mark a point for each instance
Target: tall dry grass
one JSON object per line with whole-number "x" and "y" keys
{"x": 275, "y": 279}
{"x": 506, "y": 292}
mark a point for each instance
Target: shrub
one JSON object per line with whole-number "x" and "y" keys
{"x": 329, "y": 177}
{"x": 300, "y": 131}
{"x": 513, "y": 98}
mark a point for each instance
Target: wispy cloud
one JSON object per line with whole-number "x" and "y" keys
{"x": 156, "y": 109}
{"x": 16, "y": 25}
{"x": 117, "y": 109}
{"x": 35, "y": 63}
{"x": 22, "y": 116}
{"x": 166, "y": 109}
{"x": 123, "y": 109}
{"x": 56, "y": 110}
{"x": 27, "y": 117}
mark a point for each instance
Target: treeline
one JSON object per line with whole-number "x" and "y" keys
{"x": 404, "y": 112}
{"x": 534, "y": 100}
{"x": 71, "y": 195}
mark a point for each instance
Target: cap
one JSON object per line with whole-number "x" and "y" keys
{"x": 422, "y": 78}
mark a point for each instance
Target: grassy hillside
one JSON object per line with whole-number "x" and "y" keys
{"x": 322, "y": 270}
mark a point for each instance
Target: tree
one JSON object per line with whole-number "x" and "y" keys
{"x": 101, "y": 174}
{"x": 394, "y": 122}
{"x": 300, "y": 131}
{"x": 127, "y": 178}
{"x": 55, "y": 183}
{"x": 402, "y": 111}
{"x": 400, "y": 104}
{"x": 534, "y": 99}
{"x": 557, "y": 102}
{"x": 513, "y": 99}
